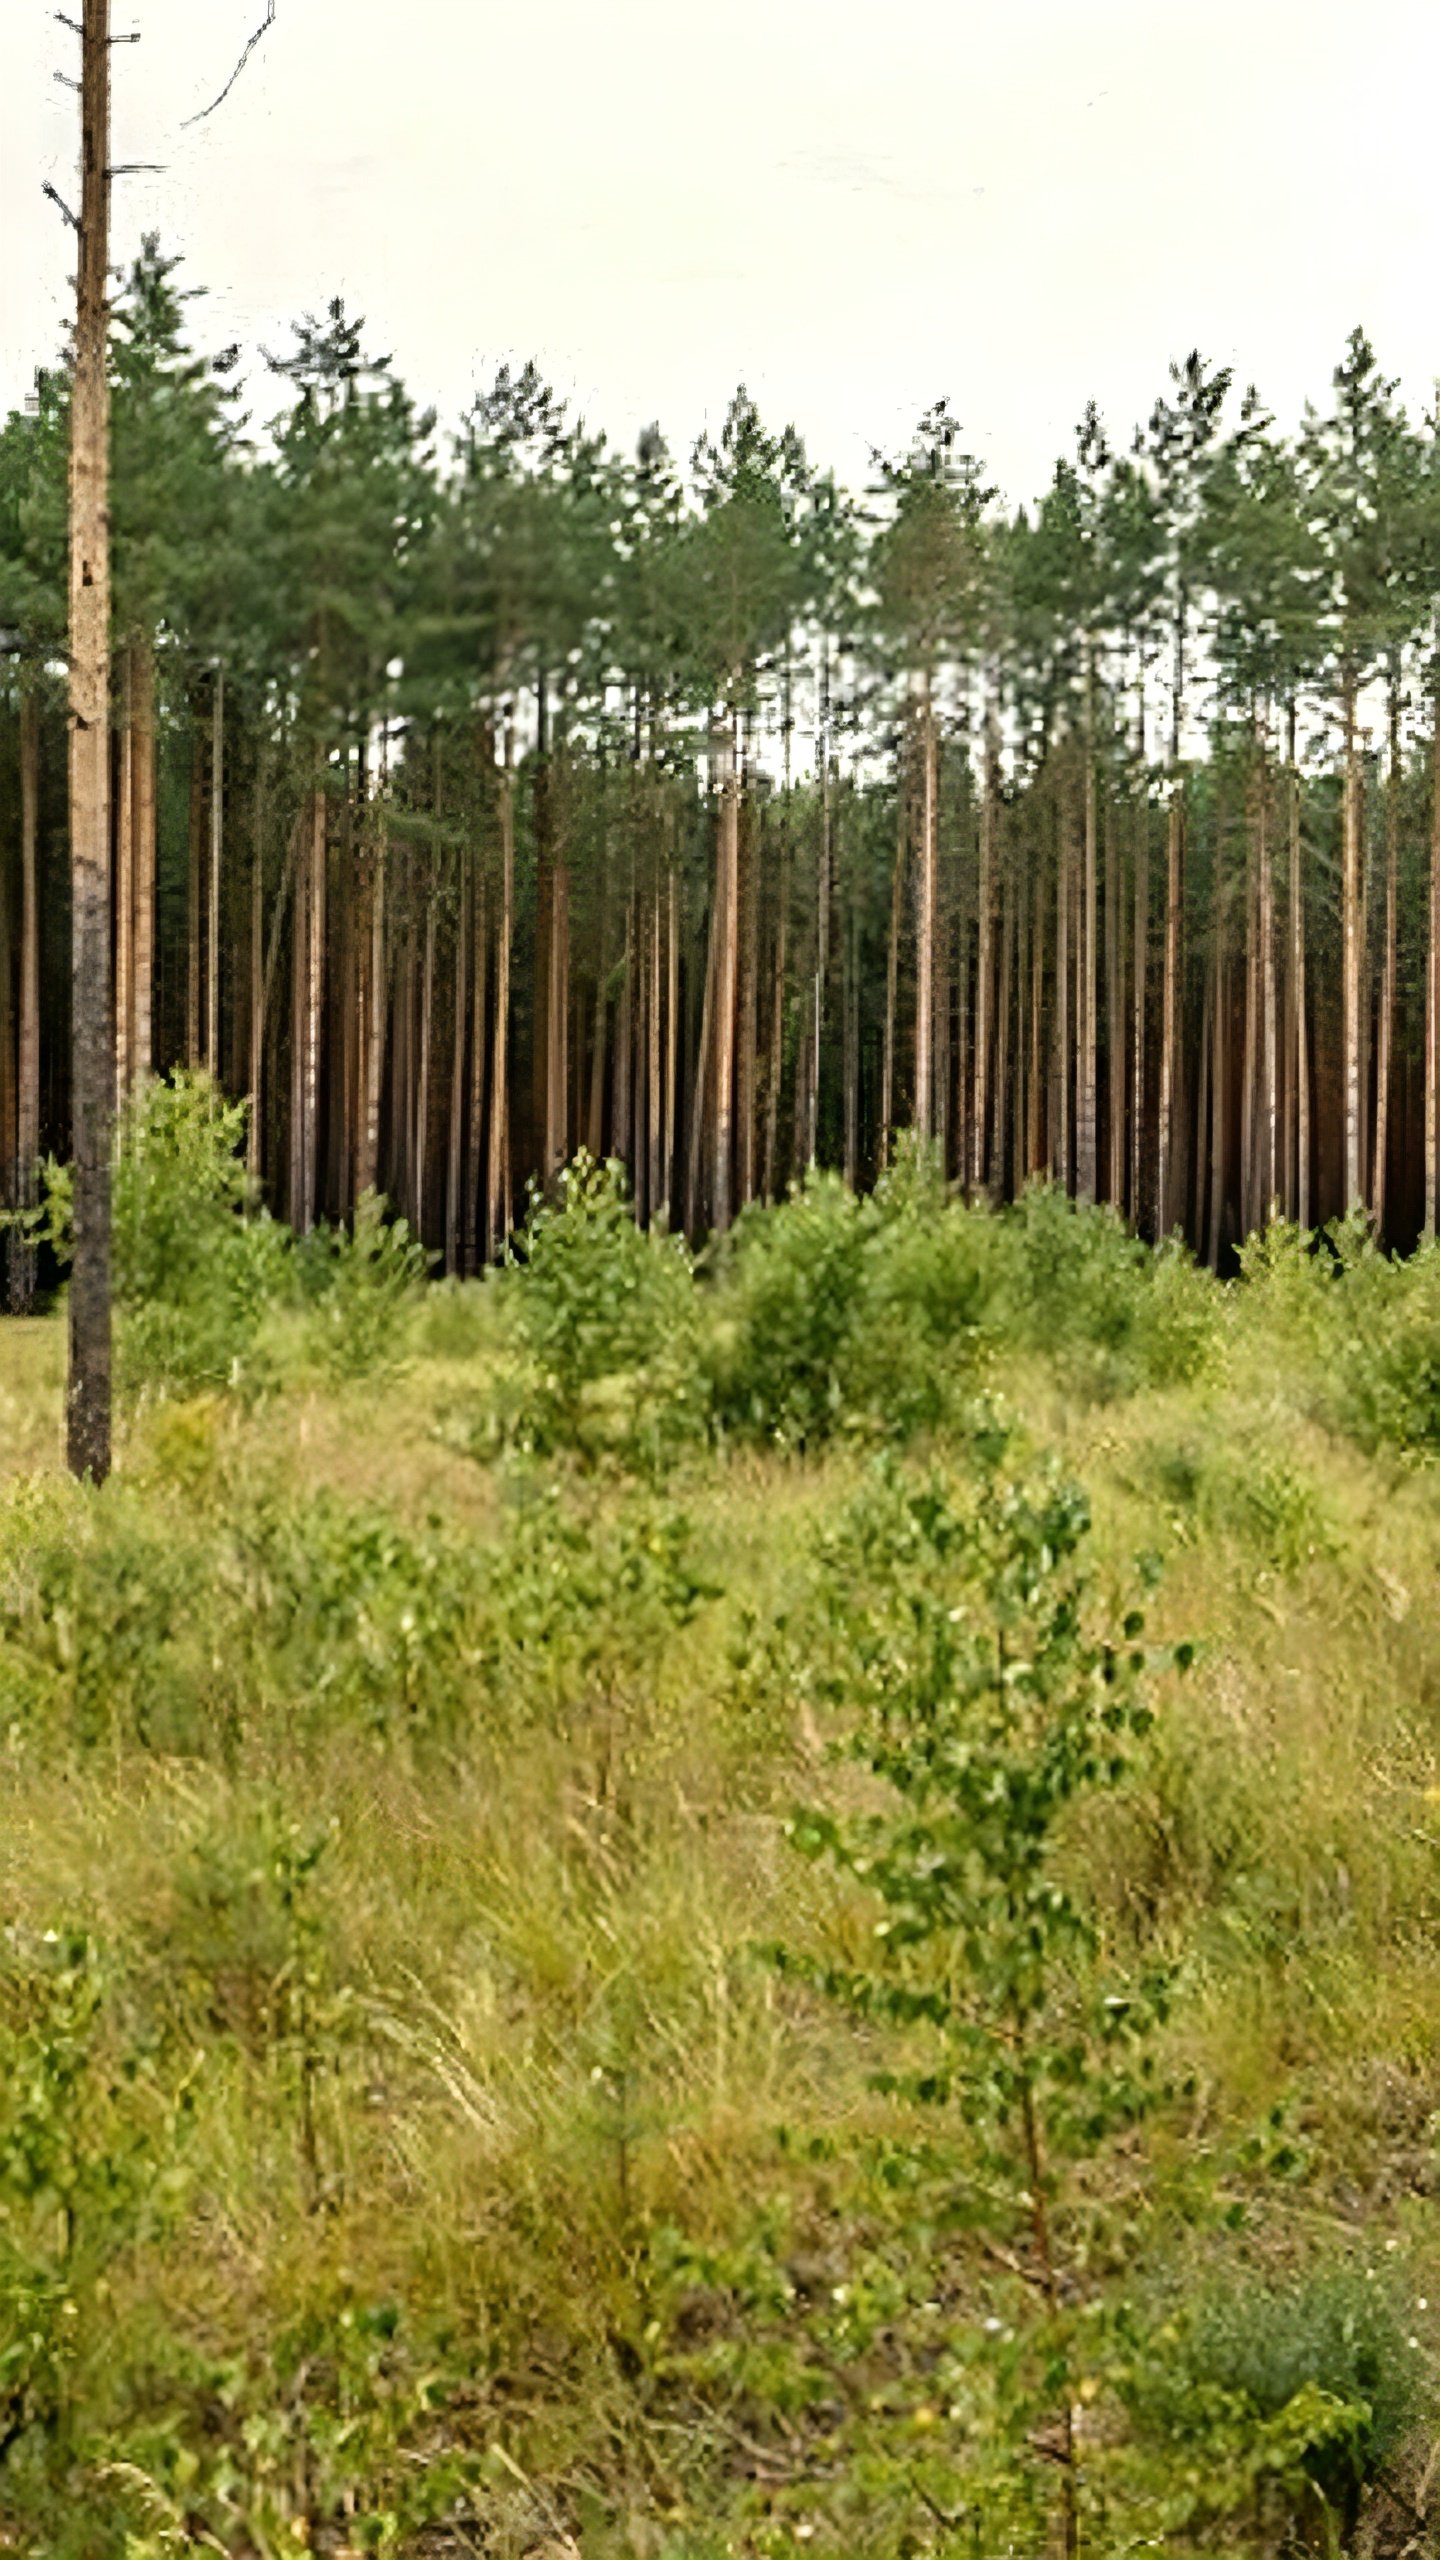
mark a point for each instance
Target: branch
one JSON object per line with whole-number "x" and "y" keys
{"x": 49, "y": 191}
{"x": 239, "y": 67}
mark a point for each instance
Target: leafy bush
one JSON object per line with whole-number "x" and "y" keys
{"x": 1117, "y": 1315}
{"x": 1319, "y": 2368}
{"x": 835, "y": 1312}
{"x": 359, "y": 1284}
{"x": 607, "y": 1316}
{"x": 197, "y": 1260}
{"x": 788, "y": 1281}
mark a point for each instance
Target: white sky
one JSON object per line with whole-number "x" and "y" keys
{"x": 855, "y": 210}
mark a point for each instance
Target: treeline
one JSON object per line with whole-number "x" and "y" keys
{"x": 476, "y": 800}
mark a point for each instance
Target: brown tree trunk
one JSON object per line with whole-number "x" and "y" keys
{"x": 984, "y": 950}
{"x": 1268, "y": 1165}
{"x": 1061, "y": 1166}
{"x": 195, "y": 869}
{"x": 1087, "y": 1096}
{"x": 27, "y": 1089}
{"x": 93, "y": 1054}
{"x": 1386, "y": 1028}
{"x": 459, "y": 1027}
{"x": 475, "y": 1165}
{"x": 217, "y": 827}
{"x": 727, "y": 891}
{"x": 672, "y": 1043}
{"x": 1139, "y": 975}
{"x": 1350, "y": 952}
{"x": 1169, "y": 1018}
{"x": 142, "y": 671}
{"x": 1432, "y": 997}
{"x": 497, "y": 1203}
{"x": 925, "y": 891}
{"x": 125, "y": 886}
{"x": 748, "y": 998}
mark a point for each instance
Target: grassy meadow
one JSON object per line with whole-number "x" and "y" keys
{"x": 444, "y": 2110}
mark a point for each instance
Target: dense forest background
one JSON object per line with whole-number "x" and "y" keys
{"x": 480, "y": 798}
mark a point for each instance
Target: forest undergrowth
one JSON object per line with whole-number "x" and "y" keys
{"x": 700, "y": 1912}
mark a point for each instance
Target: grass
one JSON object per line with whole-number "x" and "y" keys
{"x": 495, "y": 2194}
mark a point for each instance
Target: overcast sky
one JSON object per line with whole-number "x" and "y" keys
{"x": 854, "y": 210}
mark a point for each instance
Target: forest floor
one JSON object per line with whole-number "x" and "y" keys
{"x": 409, "y": 2146}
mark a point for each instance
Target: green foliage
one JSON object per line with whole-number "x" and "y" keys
{"x": 606, "y": 1314}
{"x": 360, "y": 1285}
{"x": 833, "y": 1312}
{"x": 1113, "y": 1314}
{"x": 1310, "y": 2384}
{"x": 956, "y": 1629}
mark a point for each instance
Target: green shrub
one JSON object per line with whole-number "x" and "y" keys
{"x": 1326, "y": 2351}
{"x": 788, "y": 1279}
{"x": 360, "y": 1285}
{"x": 834, "y": 1312}
{"x": 197, "y": 1260}
{"x": 1115, "y": 1315}
{"x": 606, "y": 1314}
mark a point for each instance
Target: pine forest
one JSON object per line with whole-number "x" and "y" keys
{"x": 481, "y": 796}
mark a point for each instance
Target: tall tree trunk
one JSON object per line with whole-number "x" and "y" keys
{"x": 1139, "y": 975}
{"x": 727, "y": 895}
{"x": 1300, "y": 1053}
{"x": 195, "y": 882}
{"x": 892, "y": 987}
{"x": 125, "y": 886}
{"x": 654, "y": 1108}
{"x": 1219, "y": 1045}
{"x": 497, "y": 1203}
{"x": 1167, "y": 1131}
{"x": 93, "y": 1056}
{"x": 851, "y": 1043}
{"x": 925, "y": 889}
{"x": 142, "y": 726}
{"x": 1002, "y": 1031}
{"x": 377, "y": 1009}
{"x": 672, "y": 1043}
{"x": 822, "y": 908}
{"x": 425, "y": 1046}
{"x": 984, "y": 947}
{"x": 1061, "y": 1168}
{"x": 1269, "y": 1032}
{"x": 27, "y": 1090}
{"x": 748, "y": 996}
{"x": 460, "y": 1023}
{"x": 1033, "y": 1157}
{"x": 1350, "y": 951}
{"x": 1386, "y": 1028}
{"x": 255, "y": 1131}
{"x": 217, "y": 833}
{"x": 1087, "y": 1097}
{"x": 475, "y": 1160}
{"x": 1432, "y": 996}
{"x": 1114, "y": 1008}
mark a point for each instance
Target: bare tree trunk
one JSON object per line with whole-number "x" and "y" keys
{"x": 27, "y": 1092}
{"x": 1087, "y": 1099}
{"x": 142, "y": 667}
{"x": 1061, "y": 1167}
{"x": 1350, "y": 955}
{"x": 426, "y": 1039}
{"x": 1002, "y": 1032}
{"x": 475, "y": 1161}
{"x": 1114, "y": 1006}
{"x": 254, "y": 1141}
{"x": 727, "y": 890}
{"x": 984, "y": 942}
{"x": 195, "y": 867}
{"x": 925, "y": 921}
{"x": 217, "y": 824}
{"x": 748, "y": 997}
{"x": 892, "y": 989}
{"x": 497, "y": 1203}
{"x": 1169, "y": 1017}
{"x": 93, "y": 1055}
{"x": 376, "y": 1012}
{"x": 822, "y": 908}
{"x": 654, "y": 1114}
{"x": 125, "y": 888}
{"x": 1139, "y": 975}
{"x": 851, "y": 1039}
{"x": 672, "y": 1043}
{"x": 1268, "y": 1168}
{"x": 1386, "y": 1027}
{"x": 460, "y": 1022}
{"x": 1432, "y": 997}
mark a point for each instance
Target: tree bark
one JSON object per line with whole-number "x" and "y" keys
{"x": 27, "y": 1090}
{"x": 217, "y": 832}
{"x": 497, "y": 1203}
{"x": 93, "y": 1069}
{"x": 727, "y": 888}
{"x": 984, "y": 954}
{"x": 925, "y": 888}
{"x": 1384, "y": 1047}
{"x": 1350, "y": 951}
{"x": 125, "y": 886}
{"x": 1087, "y": 1098}
{"x": 142, "y": 669}
{"x": 1169, "y": 1017}
{"x": 1432, "y": 997}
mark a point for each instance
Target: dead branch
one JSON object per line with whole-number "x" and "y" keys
{"x": 239, "y": 67}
